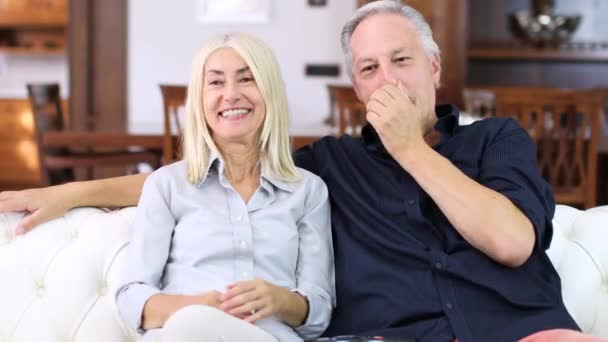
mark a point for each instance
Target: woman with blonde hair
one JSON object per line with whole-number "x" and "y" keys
{"x": 233, "y": 243}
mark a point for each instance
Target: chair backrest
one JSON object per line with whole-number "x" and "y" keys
{"x": 565, "y": 125}
{"x": 351, "y": 112}
{"x": 174, "y": 98}
{"x": 45, "y": 100}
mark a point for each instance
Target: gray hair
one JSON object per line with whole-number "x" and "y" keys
{"x": 421, "y": 27}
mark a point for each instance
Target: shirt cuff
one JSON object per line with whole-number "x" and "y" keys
{"x": 131, "y": 302}
{"x": 319, "y": 312}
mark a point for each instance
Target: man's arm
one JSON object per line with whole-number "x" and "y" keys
{"x": 485, "y": 218}
{"x": 44, "y": 204}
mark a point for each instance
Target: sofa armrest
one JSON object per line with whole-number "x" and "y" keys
{"x": 58, "y": 280}
{"x": 579, "y": 252}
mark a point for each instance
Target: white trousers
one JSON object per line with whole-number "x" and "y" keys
{"x": 199, "y": 323}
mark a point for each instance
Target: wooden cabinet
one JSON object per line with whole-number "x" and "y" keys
{"x": 33, "y": 26}
{"x": 19, "y": 163}
{"x": 497, "y": 57}
{"x": 33, "y": 13}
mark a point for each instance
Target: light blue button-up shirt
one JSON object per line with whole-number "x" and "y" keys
{"x": 189, "y": 239}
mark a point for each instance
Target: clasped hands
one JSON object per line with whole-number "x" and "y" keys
{"x": 249, "y": 300}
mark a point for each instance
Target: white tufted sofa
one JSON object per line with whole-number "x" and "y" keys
{"x": 57, "y": 281}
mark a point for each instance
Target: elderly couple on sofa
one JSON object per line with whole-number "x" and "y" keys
{"x": 438, "y": 231}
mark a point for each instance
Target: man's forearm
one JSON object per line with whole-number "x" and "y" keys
{"x": 485, "y": 218}
{"x": 110, "y": 192}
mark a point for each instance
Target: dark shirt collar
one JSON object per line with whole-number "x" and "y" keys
{"x": 447, "y": 121}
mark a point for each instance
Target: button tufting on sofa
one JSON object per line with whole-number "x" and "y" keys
{"x": 70, "y": 267}
{"x": 40, "y": 290}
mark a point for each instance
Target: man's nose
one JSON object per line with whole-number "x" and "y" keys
{"x": 388, "y": 76}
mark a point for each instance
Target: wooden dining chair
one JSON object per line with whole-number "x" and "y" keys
{"x": 174, "y": 98}
{"x": 57, "y": 164}
{"x": 350, "y": 111}
{"x": 565, "y": 126}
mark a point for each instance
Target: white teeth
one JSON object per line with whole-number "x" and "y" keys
{"x": 234, "y": 112}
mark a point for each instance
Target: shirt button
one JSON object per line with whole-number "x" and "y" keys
{"x": 243, "y": 244}
{"x": 449, "y": 306}
{"x": 411, "y": 202}
{"x": 438, "y": 265}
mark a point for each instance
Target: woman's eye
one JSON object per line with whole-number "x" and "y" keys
{"x": 215, "y": 82}
{"x": 247, "y": 79}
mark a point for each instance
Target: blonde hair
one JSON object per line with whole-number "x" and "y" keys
{"x": 274, "y": 145}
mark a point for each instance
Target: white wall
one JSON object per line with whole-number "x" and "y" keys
{"x": 18, "y": 69}
{"x": 165, "y": 35}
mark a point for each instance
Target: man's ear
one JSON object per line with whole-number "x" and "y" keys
{"x": 356, "y": 88}
{"x": 436, "y": 70}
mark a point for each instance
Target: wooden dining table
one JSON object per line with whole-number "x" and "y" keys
{"x": 125, "y": 140}
{"x": 74, "y": 139}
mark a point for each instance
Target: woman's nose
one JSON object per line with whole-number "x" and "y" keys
{"x": 231, "y": 92}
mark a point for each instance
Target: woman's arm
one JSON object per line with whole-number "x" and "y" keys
{"x": 147, "y": 255}
{"x": 315, "y": 268}
{"x": 44, "y": 204}
{"x": 160, "y": 307}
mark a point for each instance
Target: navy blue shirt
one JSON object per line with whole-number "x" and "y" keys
{"x": 402, "y": 270}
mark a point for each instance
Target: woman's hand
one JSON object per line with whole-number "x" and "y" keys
{"x": 211, "y": 298}
{"x": 39, "y": 205}
{"x": 257, "y": 299}
{"x": 160, "y": 306}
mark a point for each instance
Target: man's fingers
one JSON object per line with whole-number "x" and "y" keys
{"x": 375, "y": 108}
{"x": 30, "y": 221}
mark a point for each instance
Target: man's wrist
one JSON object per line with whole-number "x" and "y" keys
{"x": 413, "y": 155}
{"x": 72, "y": 193}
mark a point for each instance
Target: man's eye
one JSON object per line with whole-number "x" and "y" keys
{"x": 401, "y": 59}
{"x": 368, "y": 68}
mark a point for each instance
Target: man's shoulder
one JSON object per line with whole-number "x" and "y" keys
{"x": 327, "y": 146}
{"x": 496, "y": 124}
{"x": 493, "y": 128}
{"x": 326, "y": 151}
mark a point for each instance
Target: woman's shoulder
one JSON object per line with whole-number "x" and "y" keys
{"x": 169, "y": 173}
{"x": 311, "y": 180}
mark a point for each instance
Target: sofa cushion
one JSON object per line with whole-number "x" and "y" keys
{"x": 58, "y": 280}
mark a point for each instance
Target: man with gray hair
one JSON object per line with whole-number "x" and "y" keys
{"x": 440, "y": 230}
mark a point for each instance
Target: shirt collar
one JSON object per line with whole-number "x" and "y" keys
{"x": 216, "y": 164}
{"x": 447, "y": 121}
